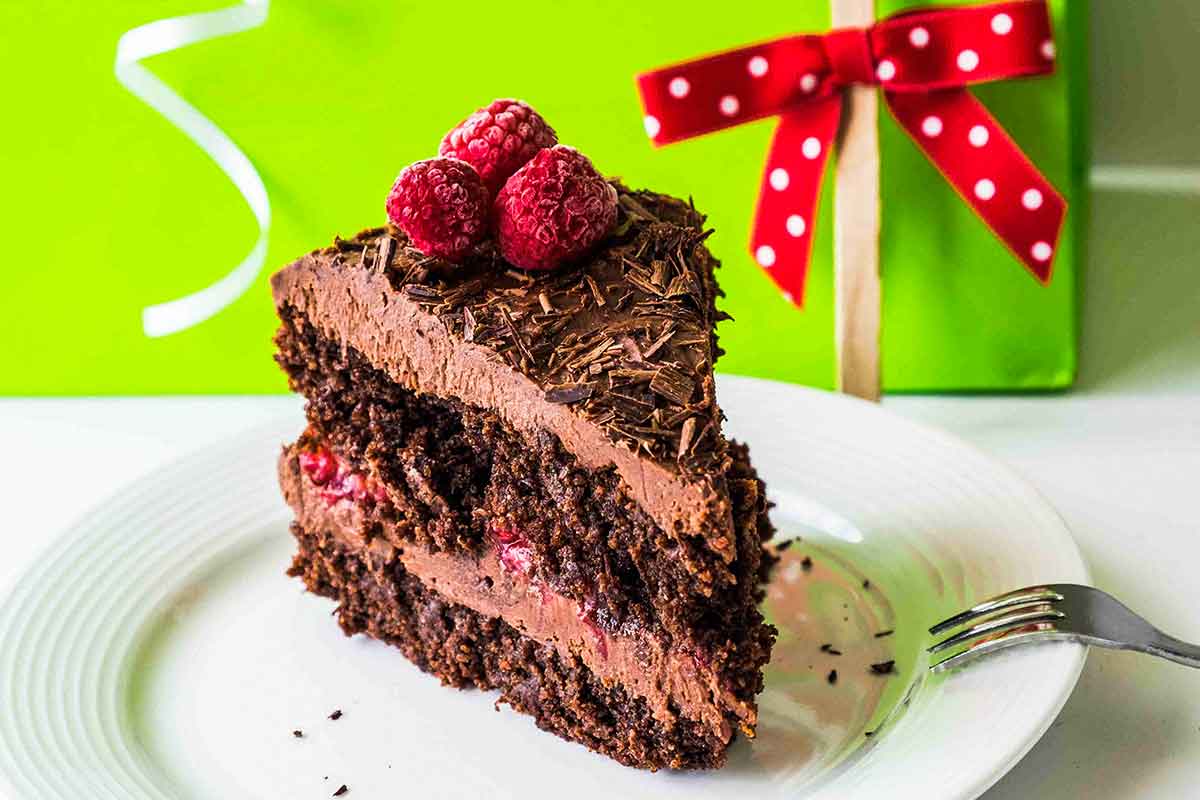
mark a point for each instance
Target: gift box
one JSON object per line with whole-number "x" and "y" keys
{"x": 143, "y": 261}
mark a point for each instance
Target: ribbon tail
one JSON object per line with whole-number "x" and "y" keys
{"x": 162, "y": 36}
{"x": 784, "y": 223}
{"x": 989, "y": 171}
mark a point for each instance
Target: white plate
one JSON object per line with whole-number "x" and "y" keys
{"x": 157, "y": 650}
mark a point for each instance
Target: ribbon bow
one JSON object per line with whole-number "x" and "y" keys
{"x": 923, "y": 60}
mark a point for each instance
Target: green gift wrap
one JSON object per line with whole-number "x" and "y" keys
{"x": 111, "y": 209}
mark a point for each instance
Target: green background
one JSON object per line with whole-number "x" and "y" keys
{"x": 108, "y": 208}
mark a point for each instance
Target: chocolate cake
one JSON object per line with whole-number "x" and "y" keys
{"x": 519, "y": 478}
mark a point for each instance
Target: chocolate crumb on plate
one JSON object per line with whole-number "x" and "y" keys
{"x": 341, "y": 790}
{"x": 336, "y": 715}
{"x": 883, "y": 668}
{"x": 832, "y": 676}
{"x": 299, "y": 734}
{"x": 806, "y": 563}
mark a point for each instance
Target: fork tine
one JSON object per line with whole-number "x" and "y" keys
{"x": 1000, "y": 624}
{"x": 1020, "y": 597}
{"x": 992, "y": 645}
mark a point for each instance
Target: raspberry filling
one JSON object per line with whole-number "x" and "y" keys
{"x": 516, "y": 555}
{"x": 337, "y": 480}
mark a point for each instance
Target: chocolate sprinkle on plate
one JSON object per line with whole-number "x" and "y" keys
{"x": 832, "y": 676}
{"x": 336, "y": 715}
{"x": 828, "y": 648}
{"x": 882, "y": 634}
{"x": 341, "y": 790}
{"x": 806, "y": 563}
{"x": 883, "y": 667}
{"x": 299, "y": 734}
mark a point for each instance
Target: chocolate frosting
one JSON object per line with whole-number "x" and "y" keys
{"x": 667, "y": 679}
{"x": 613, "y": 356}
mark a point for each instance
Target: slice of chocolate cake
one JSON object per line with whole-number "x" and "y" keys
{"x": 519, "y": 478}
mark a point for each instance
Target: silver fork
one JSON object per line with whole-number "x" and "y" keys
{"x": 1056, "y": 611}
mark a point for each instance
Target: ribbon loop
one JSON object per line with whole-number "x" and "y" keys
{"x": 924, "y": 60}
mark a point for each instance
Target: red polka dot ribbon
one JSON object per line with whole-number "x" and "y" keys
{"x": 923, "y": 60}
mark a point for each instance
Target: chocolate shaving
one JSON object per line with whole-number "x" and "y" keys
{"x": 516, "y": 335}
{"x": 544, "y": 302}
{"x": 422, "y": 292}
{"x": 384, "y": 259}
{"x": 596, "y": 293}
{"x": 660, "y": 341}
{"x": 673, "y": 385}
{"x": 468, "y": 325}
{"x": 570, "y": 393}
{"x": 685, "y": 437}
{"x": 631, "y": 407}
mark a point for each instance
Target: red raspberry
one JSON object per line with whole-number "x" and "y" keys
{"x": 442, "y": 205}
{"x": 498, "y": 140}
{"x": 553, "y": 209}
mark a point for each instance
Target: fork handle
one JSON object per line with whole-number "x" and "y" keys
{"x": 1173, "y": 649}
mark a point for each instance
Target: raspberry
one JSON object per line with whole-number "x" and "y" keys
{"x": 498, "y": 140}
{"x": 553, "y": 209}
{"x": 442, "y": 205}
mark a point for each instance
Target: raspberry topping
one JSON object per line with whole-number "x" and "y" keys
{"x": 553, "y": 209}
{"x": 442, "y": 205}
{"x": 498, "y": 140}
{"x": 516, "y": 555}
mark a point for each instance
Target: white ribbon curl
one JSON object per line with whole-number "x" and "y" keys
{"x": 162, "y": 36}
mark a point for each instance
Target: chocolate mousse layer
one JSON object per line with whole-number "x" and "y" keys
{"x": 675, "y": 683}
